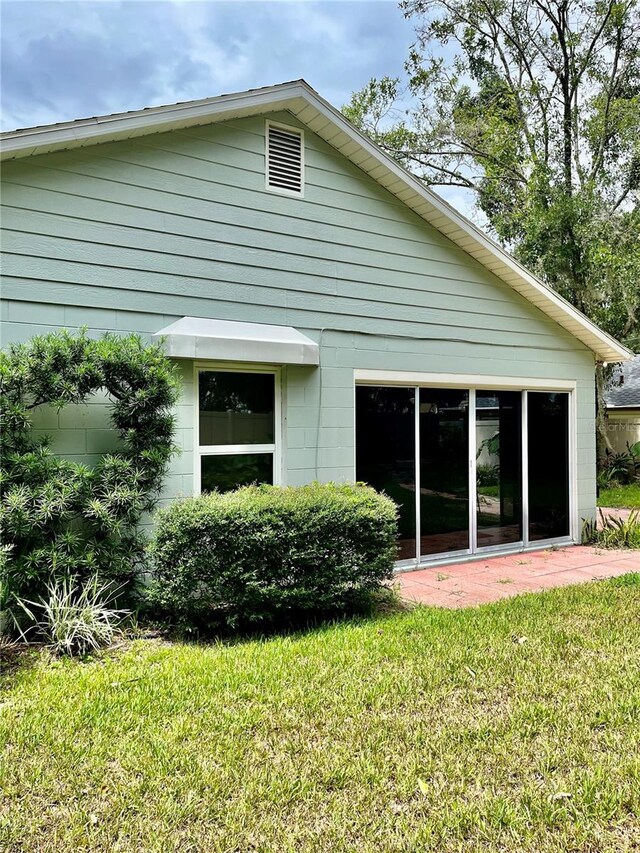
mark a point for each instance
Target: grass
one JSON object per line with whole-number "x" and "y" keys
{"x": 620, "y": 496}
{"x": 511, "y": 727}
{"x": 489, "y": 491}
{"x": 440, "y": 514}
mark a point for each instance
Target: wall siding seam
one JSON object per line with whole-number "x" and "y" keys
{"x": 482, "y": 282}
{"x": 305, "y": 295}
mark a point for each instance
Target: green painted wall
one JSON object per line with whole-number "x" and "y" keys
{"x": 130, "y": 236}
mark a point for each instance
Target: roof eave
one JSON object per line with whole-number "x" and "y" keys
{"x": 605, "y": 347}
{"x": 619, "y": 406}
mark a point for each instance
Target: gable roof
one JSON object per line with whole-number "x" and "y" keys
{"x": 624, "y": 391}
{"x": 298, "y": 98}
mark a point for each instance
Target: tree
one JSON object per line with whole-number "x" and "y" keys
{"x": 534, "y": 107}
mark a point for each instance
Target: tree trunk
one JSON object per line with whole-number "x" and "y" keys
{"x": 602, "y": 438}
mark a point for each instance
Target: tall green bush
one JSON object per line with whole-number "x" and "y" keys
{"x": 264, "y": 553}
{"x": 60, "y": 518}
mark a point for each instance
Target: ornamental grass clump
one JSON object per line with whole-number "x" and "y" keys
{"x": 60, "y": 518}
{"x": 73, "y": 619}
{"x": 266, "y": 554}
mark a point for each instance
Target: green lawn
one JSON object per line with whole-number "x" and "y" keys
{"x": 620, "y": 496}
{"x": 513, "y": 727}
{"x": 489, "y": 491}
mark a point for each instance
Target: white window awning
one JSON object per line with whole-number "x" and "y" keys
{"x": 228, "y": 340}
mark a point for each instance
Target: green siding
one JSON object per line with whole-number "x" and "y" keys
{"x": 130, "y": 236}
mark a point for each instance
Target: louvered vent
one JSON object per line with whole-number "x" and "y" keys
{"x": 284, "y": 160}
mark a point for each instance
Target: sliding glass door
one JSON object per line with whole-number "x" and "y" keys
{"x": 412, "y": 443}
{"x": 386, "y": 453}
{"x": 472, "y": 470}
{"x": 548, "y": 452}
{"x": 498, "y": 467}
{"x": 443, "y": 437}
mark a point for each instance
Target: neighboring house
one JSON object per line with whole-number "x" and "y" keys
{"x": 332, "y": 318}
{"x": 623, "y": 405}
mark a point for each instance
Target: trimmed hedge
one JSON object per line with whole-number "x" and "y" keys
{"x": 266, "y": 553}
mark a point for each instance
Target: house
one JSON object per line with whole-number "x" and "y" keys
{"x": 623, "y": 405}
{"x": 332, "y": 318}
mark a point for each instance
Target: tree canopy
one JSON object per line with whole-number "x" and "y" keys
{"x": 534, "y": 107}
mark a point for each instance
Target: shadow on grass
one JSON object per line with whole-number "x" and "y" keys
{"x": 16, "y": 657}
{"x": 379, "y": 605}
{"x": 385, "y": 603}
{"x": 373, "y": 606}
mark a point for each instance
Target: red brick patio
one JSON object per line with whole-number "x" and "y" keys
{"x": 483, "y": 581}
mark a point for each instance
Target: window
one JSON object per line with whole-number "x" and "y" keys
{"x": 284, "y": 159}
{"x": 237, "y": 428}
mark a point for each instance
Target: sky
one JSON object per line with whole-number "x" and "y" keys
{"x": 67, "y": 59}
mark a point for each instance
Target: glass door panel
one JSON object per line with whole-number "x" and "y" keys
{"x": 386, "y": 450}
{"x": 498, "y": 467}
{"x": 548, "y": 443}
{"x": 444, "y": 470}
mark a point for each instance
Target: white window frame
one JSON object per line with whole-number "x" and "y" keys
{"x": 282, "y": 190}
{"x": 473, "y": 383}
{"x": 274, "y": 448}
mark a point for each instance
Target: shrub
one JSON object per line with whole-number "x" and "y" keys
{"x": 613, "y": 532}
{"x": 622, "y": 467}
{"x": 73, "y": 619}
{"x": 488, "y": 475}
{"x": 61, "y": 518}
{"x": 265, "y": 553}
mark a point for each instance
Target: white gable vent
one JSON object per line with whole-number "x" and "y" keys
{"x": 285, "y": 162}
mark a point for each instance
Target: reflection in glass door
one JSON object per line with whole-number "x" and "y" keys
{"x": 386, "y": 453}
{"x": 498, "y": 467}
{"x": 505, "y": 483}
{"x": 444, "y": 470}
{"x": 548, "y": 452}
